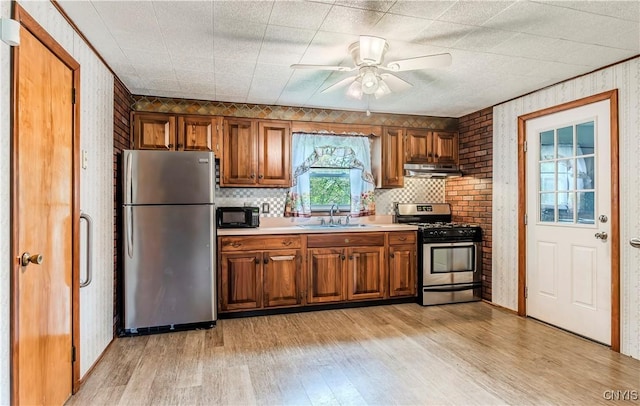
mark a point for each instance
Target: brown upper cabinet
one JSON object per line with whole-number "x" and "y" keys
{"x": 424, "y": 146}
{"x": 445, "y": 147}
{"x": 392, "y": 157}
{"x": 191, "y": 133}
{"x": 256, "y": 153}
{"x": 153, "y": 131}
{"x": 199, "y": 133}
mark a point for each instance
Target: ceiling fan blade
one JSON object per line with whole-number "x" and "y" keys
{"x": 420, "y": 62}
{"x": 322, "y": 67}
{"x": 339, "y": 84}
{"x": 395, "y": 83}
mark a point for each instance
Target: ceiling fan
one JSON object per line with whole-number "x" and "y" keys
{"x": 373, "y": 77}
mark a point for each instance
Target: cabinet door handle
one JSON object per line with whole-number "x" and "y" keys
{"x": 257, "y": 260}
{"x": 283, "y": 258}
{"x": 343, "y": 257}
{"x": 392, "y": 255}
{"x": 253, "y": 176}
{"x": 266, "y": 261}
{"x": 260, "y": 176}
{"x": 350, "y": 256}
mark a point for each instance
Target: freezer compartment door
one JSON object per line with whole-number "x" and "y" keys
{"x": 169, "y": 267}
{"x": 168, "y": 177}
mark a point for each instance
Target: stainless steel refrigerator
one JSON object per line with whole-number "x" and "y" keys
{"x": 168, "y": 239}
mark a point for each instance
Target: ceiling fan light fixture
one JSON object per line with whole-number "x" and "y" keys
{"x": 355, "y": 90}
{"x": 382, "y": 89}
{"x": 370, "y": 81}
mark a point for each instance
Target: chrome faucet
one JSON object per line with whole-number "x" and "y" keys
{"x": 331, "y": 212}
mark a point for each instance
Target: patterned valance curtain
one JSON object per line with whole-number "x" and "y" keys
{"x": 353, "y": 152}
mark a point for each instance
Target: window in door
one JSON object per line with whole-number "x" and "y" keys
{"x": 566, "y": 174}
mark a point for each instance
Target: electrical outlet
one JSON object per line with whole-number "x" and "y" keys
{"x": 265, "y": 207}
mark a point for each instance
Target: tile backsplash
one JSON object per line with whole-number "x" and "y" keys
{"x": 414, "y": 190}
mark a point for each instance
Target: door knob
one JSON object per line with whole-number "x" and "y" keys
{"x": 602, "y": 236}
{"x": 27, "y": 258}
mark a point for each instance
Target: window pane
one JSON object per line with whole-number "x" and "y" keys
{"x": 586, "y": 173}
{"x": 586, "y": 208}
{"x": 547, "y": 176}
{"x": 547, "y": 207}
{"x": 584, "y": 134}
{"x": 565, "y": 207}
{"x": 565, "y": 142}
{"x": 565, "y": 174}
{"x": 547, "y": 146}
{"x": 329, "y": 186}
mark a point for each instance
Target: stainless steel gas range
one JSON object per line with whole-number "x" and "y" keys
{"x": 449, "y": 254}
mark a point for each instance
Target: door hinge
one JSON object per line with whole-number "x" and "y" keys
{"x": 526, "y": 292}
{"x": 524, "y": 146}
{"x": 73, "y": 95}
{"x": 73, "y": 353}
{"x": 526, "y": 219}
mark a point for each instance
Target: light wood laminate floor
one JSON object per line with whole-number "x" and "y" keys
{"x": 463, "y": 354}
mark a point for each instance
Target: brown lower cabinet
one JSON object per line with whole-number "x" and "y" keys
{"x": 260, "y": 272}
{"x": 402, "y": 264}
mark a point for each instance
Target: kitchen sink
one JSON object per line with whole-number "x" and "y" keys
{"x": 316, "y": 226}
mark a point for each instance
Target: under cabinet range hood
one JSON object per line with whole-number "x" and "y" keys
{"x": 436, "y": 171}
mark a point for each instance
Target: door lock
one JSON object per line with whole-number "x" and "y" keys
{"x": 602, "y": 236}
{"x": 603, "y": 218}
{"x": 27, "y": 259}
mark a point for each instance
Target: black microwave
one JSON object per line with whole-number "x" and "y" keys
{"x": 238, "y": 217}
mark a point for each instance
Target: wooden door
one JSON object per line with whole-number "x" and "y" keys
{"x": 241, "y": 277}
{"x": 419, "y": 145}
{"x": 445, "y": 147}
{"x": 154, "y": 131}
{"x": 45, "y": 220}
{"x": 197, "y": 133}
{"x": 240, "y": 153}
{"x": 570, "y": 220}
{"x": 392, "y": 157}
{"x": 365, "y": 273}
{"x": 282, "y": 278}
{"x": 326, "y": 275}
{"x": 274, "y": 151}
{"x": 402, "y": 270}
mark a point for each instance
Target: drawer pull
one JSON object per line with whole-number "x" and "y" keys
{"x": 287, "y": 243}
{"x": 402, "y": 238}
{"x": 283, "y": 258}
{"x": 346, "y": 240}
{"x": 236, "y": 244}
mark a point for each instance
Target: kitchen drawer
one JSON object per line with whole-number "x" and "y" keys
{"x": 402, "y": 237}
{"x": 345, "y": 240}
{"x": 244, "y": 243}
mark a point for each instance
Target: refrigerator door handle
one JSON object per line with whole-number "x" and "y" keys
{"x": 128, "y": 220}
{"x": 127, "y": 181}
{"x": 87, "y": 218}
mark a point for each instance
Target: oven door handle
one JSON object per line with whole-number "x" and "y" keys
{"x": 451, "y": 288}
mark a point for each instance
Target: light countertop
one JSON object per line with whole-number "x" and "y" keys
{"x": 297, "y": 225}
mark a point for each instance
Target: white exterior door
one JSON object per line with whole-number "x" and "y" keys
{"x": 569, "y": 211}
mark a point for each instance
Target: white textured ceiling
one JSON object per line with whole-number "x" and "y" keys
{"x": 240, "y": 51}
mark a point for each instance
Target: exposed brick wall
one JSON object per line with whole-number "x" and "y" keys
{"x": 122, "y": 102}
{"x": 471, "y": 195}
